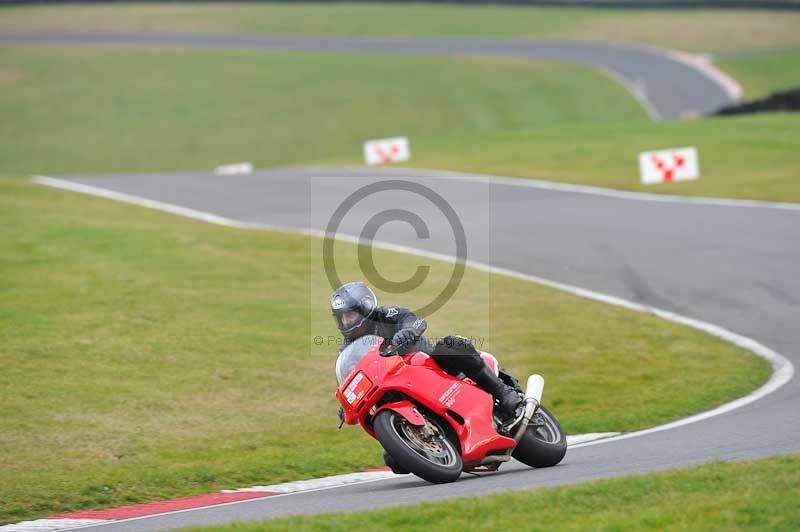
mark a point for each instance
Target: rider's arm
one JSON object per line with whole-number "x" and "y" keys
{"x": 398, "y": 318}
{"x": 418, "y": 325}
{"x": 400, "y": 325}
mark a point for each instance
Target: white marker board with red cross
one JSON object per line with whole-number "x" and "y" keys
{"x": 383, "y": 151}
{"x": 664, "y": 166}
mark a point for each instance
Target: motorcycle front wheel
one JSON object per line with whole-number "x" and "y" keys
{"x": 425, "y": 451}
{"x": 544, "y": 443}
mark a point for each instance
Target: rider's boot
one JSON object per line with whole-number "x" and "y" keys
{"x": 508, "y": 399}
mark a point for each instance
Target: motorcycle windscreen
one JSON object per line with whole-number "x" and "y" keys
{"x": 352, "y": 355}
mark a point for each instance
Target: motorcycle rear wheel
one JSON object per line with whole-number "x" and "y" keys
{"x": 544, "y": 443}
{"x": 429, "y": 454}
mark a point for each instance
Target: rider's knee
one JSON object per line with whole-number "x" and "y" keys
{"x": 455, "y": 345}
{"x": 457, "y": 354}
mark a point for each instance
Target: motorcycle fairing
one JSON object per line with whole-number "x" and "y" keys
{"x": 405, "y": 409}
{"x": 465, "y": 406}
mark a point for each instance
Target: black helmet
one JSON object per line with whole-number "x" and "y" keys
{"x": 352, "y": 305}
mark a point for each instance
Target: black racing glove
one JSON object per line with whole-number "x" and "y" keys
{"x": 404, "y": 336}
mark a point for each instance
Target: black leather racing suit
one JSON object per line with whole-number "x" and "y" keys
{"x": 453, "y": 354}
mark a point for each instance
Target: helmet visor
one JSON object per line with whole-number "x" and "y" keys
{"x": 348, "y": 319}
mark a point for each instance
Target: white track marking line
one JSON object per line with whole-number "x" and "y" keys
{"x": 698, "y": 62}
{"x": 356, "y": 478}
{"x": 287, "y": 488}
{"x": 636, "y": 88}
{"x": 782, "y": 368}
{"x": 705, "y": 65}
{"x": 351, "y": 479}
{"x": 600, "y": 191}
{"x": 43, "y": 525}
{"x": 316, "y": 483}
{"x": 136, "y": 200}
{"x": 234, "y": 502}
{"x": 573, "y": 440}
{"x": 89, "y": 523}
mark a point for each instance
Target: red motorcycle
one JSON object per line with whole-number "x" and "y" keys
{"x": 435, "y": 425}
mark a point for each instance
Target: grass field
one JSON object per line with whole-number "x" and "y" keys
{"x": 524, "y": 119}
{"x": 145, "y": 356}
{"x": 180, "y": 109}
{"x": 761, "y": 73}
{"x": 749, "y": 157}
{"x": 690, "y": 29}
{"x": 756, "y": 495}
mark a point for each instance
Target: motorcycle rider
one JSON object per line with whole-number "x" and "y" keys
{"x": 356, "y": 312}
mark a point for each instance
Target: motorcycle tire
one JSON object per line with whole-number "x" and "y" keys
{"x": 435, "y": 459}
{"x": 394, "y": 466}
{"x": 544, "y": 444}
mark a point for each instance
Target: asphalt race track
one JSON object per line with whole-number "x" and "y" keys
{"x": 732, "y": 265}
{"x": 667, "y": 86}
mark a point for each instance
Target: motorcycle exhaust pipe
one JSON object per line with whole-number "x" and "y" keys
{"x": 533, "y": 397}
{"x": 535, "y": 388}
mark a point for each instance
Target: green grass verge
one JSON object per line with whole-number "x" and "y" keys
{"x": 755, "y": 495}
{"x": 165, "y": 110}
{"x": 761, "y": 73}
{"x": 146, "y": 109}
{"x": 147, "y": 356}
{"x": 747, "y": 157}
{"x": 689, "y": 29}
